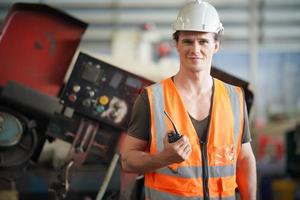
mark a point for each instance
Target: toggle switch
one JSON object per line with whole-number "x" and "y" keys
{"x": 91, "y": 93}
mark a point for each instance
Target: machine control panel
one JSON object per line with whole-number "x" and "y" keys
{"x": 102, "y": 91}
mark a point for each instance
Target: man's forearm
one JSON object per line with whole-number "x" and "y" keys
{"x": 142, "y": 162}
{"x": 246, "y": 178}
{"x": 136, "y": 159}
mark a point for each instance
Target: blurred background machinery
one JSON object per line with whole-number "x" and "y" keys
{"x": 90, "y": 111}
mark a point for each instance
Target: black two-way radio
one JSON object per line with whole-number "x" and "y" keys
{"x": 173, "y": 136}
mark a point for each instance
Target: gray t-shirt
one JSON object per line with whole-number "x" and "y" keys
{"x": 139, "y": 125}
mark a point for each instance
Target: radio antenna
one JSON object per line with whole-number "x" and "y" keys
{"x": 173, "y": 124}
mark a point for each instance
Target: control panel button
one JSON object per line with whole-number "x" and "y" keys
{"x": 103, "y": 100}
{"x": 76, "y": 88}
{"x": 100, "y": 108}
{"x": 91, "y": 93}
{"x": 86, "y": 103}
{"x": 72, "y": 97}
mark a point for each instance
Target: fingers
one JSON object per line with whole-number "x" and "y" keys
{"x": 184, "y": 140}
{"x": 165, "y": 140}
{"x": 185, "y": 148}
{"x": 182, "y": 149}
{"x": 187, "y": 151}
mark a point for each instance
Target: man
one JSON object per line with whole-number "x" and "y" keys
{"x": 214, "y": 155}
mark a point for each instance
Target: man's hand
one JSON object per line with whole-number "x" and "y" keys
{"x": 178, "y": 151}
{"x": 136, "y": 159}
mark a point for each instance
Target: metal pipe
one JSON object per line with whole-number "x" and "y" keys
{"x": 108, "y": 176}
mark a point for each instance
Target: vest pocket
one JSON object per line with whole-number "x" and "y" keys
{"x": 223, "y": 155}
{"x": 228, "y": 184}
{"x": 224, "y": 186}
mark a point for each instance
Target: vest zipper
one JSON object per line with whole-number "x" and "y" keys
{"x": 205, "y": 170}
{"x": 203, "y": 144}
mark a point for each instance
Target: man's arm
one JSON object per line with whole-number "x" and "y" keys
{"x": 246, "y": 173}
{"x": 136, "y": 159}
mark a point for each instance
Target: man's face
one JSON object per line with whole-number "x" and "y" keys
{"x": 196, "y": 50}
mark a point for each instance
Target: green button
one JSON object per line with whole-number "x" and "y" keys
{"x": 100, "y": 108}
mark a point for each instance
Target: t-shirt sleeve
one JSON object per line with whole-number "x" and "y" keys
{"x": 139, "y": 124}
{"x": 246, "y": 137}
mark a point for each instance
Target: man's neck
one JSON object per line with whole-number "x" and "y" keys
{"x": 196, "y": 83}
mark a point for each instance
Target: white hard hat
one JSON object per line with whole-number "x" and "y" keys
{"x": 200, "y": 16}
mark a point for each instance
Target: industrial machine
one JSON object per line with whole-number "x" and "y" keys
{"x": 32, "y": 69}
{"x": 89, "y": 111}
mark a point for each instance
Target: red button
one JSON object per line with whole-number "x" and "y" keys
{"x": 72, "y": 97}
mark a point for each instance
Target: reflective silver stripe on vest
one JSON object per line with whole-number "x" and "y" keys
{"x": 221, "y": 171}
{"x": 183, "y": 172}
{"x": 222, "y": 198}
{"x": 153, "y": 194}
{"x": 235, "y": 105}
{"x": 159, "y": 117}
{"x": 196, "y": 172}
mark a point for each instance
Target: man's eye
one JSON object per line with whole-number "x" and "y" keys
{"x": 203, "y": 42}
{"x": 187, "y": 41}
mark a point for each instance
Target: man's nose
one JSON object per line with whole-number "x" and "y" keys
{"x": 196, "y": 47}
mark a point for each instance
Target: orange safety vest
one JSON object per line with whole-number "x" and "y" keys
{"x": 210, "y": 170}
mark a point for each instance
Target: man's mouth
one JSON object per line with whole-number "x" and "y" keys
{"x": 195, "y": 58}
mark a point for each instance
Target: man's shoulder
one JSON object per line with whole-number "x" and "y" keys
{"x": 227, "y": 83}
{"x": 231, "y": 87}
{"x": 158, "y": 84}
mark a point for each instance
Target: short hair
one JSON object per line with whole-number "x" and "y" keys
{"x": 217, "y": 36}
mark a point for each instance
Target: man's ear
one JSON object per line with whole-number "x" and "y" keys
{"x": 217, "y": 46}
{"x": 176, "y": 44}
